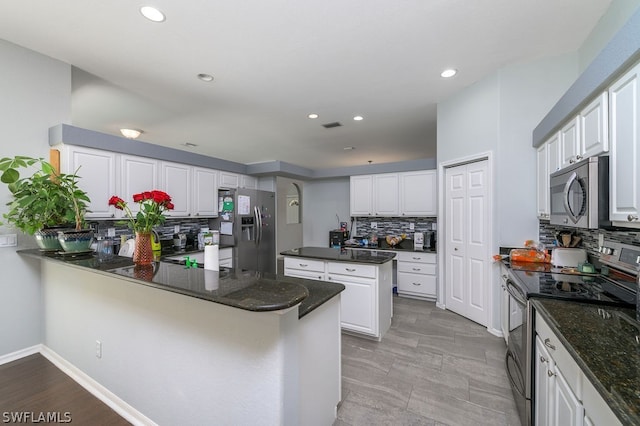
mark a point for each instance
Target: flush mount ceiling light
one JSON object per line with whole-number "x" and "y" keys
{"x": 205, "y": 77}
{"x": 152, "y": 14}
{"x": 349, "y": 148}
{"x": 189, "y": 145}
{"x": 131, "y": 133}
{"x": 358, "y": 118}
{"x": 448, "y": 73}
{"x": 313, "y": 116}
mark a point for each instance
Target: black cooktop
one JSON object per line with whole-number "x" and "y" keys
{"x": 582, "y": 288}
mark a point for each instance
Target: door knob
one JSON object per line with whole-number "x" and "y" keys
{"x": 632, "y": 217}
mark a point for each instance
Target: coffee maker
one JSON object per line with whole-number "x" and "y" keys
{"x": 337, "y": 237}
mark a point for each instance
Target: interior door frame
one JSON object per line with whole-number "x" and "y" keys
{"x": 442, "y": 227}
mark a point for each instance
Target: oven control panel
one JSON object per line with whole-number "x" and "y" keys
{"x": 625, "y": 257}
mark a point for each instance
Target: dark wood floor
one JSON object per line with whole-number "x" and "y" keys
{"x": 35, "y": 386}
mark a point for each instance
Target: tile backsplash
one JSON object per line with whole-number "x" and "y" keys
{"x": 392, "y": 225}
{"x": 547, "y": 235}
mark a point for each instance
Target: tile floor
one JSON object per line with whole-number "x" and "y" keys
{"x": 433, "y": 367}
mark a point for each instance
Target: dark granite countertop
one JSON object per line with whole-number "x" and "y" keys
{"x": 248, "y": 290}
{"x": 604, "y": 342}
{"x": 341, "y": 255}
{"x": 406, "y": 245}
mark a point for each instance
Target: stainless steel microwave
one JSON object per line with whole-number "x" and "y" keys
{"x": 580, "y": 194}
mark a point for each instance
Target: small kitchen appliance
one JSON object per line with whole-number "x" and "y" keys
{"x": 179, "y": 241}
{"x": 337, "y": 238}
{"x": 568, "y": 257}
{"x": 418, "y": 241}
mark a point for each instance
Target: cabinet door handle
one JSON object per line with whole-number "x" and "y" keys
{"x": 350, "y": 269}
{"x": 578, "y": 157}
{"x": 542, "y": 359}
{"x": 550, "y": 373}
{"x": 416, "y": 269}
{"x": 416, "y": 258}
{"x": 303, "y": 265}
{"x": 416, "y": 284}
{"x": 548, "y": 344}
{"x": 632, "y": 217}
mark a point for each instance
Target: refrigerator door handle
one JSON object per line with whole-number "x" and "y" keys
{"x": 258, "y": 224}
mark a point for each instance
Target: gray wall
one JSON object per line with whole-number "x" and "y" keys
{"x": 323, "y": 202}
{"x": 36, "y": 94}
{"x": 288, "y": 235}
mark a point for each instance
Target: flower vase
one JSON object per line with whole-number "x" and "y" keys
{"x": 143, "y": 253}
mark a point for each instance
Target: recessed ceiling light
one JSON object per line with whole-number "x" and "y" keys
{"x": 152, "y": 14}
{"x": 349, "y": 148}
{"x": 448, "y": 73}
{"x": 131, "y": 133}
{"x": 190, "y": 145}
{"x": 313, "y": 116}
{"x": 358, "y": 118}
{"x": 205, "y": 77}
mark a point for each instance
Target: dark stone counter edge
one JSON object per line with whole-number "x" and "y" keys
{"x": 311, "y": 295}
{"x": 615, "y": 407}
{"x": 364, "y": 260}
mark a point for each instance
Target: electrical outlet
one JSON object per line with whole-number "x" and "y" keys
{"x": 374, "y": 225}
{"x": 98, "y": 349}
{"x": 111, "y": 232}
{"x": 176, "y": 229}
{"x": 434, "y": 226}
{"x": 600, "y": 240}
{"x": 412, "y": 226}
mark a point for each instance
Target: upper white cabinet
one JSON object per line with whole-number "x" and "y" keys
{"x": 361, "y": 195}
{"x": 569, "y": 143}
{"x": 229, "y": 180}
{"x": 97, "y": 171}
{"x": 385, "y": 194}
{"x": 205, "y": 189}
{"x": 624, "y": 121}
{"x": 137, "y": 174}
{"x": 542, "y": 174}
{"x": 418, "y": 193}
{"x": 175, "y": 180}
{"x": 394, "y": 194}
{"x": 248, "y": 182}
{"x": 594, "y": 128}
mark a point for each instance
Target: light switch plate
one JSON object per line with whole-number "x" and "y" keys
{"x": 412, "y": 226}
{"x": 434, "y": 226}
{"x": 8, "y": 240}
{"x": 374, "y": 225}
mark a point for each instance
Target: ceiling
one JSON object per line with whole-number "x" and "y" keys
{"x": 276, "y": 61}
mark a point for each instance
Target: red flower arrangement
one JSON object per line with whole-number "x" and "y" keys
{"x": 152, "y": 205}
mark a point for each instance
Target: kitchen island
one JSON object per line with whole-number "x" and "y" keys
{"x": 173, "y": 345}
{"x": 366, "y": 304}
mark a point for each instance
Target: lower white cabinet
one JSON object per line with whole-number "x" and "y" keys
{"x": 417, "y": 274}
{"x": 563, "y": 395}
{"x": 366, "y": 302}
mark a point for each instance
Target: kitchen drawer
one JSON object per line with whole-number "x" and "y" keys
{"x": 309, "y": 275}
{"x": 563, "y": 360}
{"x": 304, "y": 264}
{"x": 417, "y": 268}
{"x": 413, "y": 256}
{"x": 352, "y": 269}
{"x": 417, "y": 284}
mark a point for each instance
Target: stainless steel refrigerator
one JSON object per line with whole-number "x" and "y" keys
{"x": 250, "y": 220}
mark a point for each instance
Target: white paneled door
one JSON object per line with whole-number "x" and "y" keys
{"x": 467, "y": 240}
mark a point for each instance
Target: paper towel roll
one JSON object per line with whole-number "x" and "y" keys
{"x": 211, "y": 280}
{"x": 211, "y": 258}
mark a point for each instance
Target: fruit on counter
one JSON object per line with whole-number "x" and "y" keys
{"x": 394, "y": 240}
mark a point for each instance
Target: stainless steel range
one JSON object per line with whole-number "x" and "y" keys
{"x": 617, "y": 289}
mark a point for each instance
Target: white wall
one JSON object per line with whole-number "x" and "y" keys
{"x": 36, "y": 94}
{"x": 289, "y": 235}
{"x": 323, "y": 202}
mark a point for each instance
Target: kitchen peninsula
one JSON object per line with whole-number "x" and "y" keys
{"x": 175, "y": 345}
{"x": 366, "y": 304}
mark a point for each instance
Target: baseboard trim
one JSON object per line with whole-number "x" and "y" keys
{"x": 96, "y": 389}
{"x": 13, "y": 356}
{"x": 495, "y": 332}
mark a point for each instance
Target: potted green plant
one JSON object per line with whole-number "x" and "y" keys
{"x": 45, "y": 202}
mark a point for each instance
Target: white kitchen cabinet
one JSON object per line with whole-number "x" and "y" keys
{"x": 248, "y": 182}
{"x": 418, "y": 193}
{"x": 624, "y": 121}
{"x": 594, "y": 128}
{"x": 205, "y": 192}
{"x": 542, "y": 384}
{"x": 98, "y": 177}
{"x": 542, "y": 184}
{"x": 365, "y": 304}
{"x": 305, "y": 268}
{"x": 175, "y": 180}
{"x": 385, "y": 194}
{"x": 569, "y": 143}
{"x": 137, "y": 174}
{"x": 229, "y": 180}
{"x": 361, "y": 195}
{"x": 417, "y": 275}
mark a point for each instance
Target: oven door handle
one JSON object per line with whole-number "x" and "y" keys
{"x": 514, "y": 385}
{"x": 516, "y": 293}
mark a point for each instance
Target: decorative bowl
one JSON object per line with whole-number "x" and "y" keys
{"x": 47, "y": 238}
{"x": 76, "y": 241}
